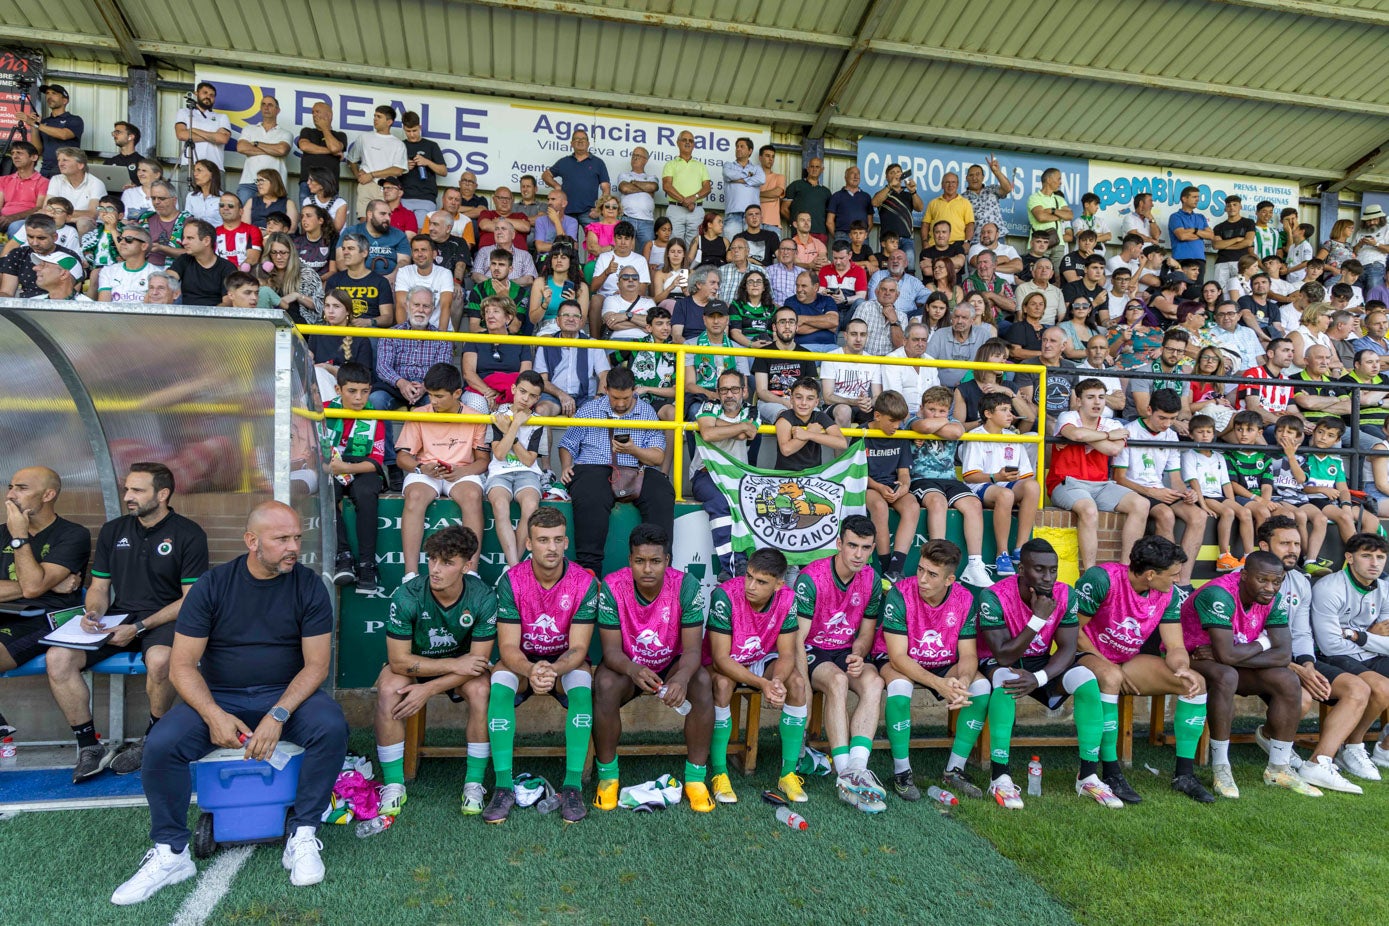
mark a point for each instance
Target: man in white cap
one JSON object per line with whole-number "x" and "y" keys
{"x": 57, "y": 275}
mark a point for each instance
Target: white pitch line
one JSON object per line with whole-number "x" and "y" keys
{"x": 212, "y": 886}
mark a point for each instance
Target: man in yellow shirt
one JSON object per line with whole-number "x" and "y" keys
{"x": 685, "y": 182}
{"x": 950, "y": 207}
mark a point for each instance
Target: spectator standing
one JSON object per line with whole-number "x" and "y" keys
{"x": 374, "y": 155}
{"x": 127, "y": 139}
{"x": 424, "y": 160}
{"x": 1190, "y": 231}
{"x": 638, "y": 189}
{"x": 58, "y": 129}
{"x": 1047, "y": 211}
{"x": 266, "y": 146}
{"x": 809, "y": 195}
{"x": 896, "y": 202}
{"x": 849, "y": 205}
{"x": 1141, "y": 222}
{"x": 321, "y": 147}
{"x": 209, "y": 131}
{"x": 950, "y": 207}
{"x": 772, "y": 190}
{"x": 686, "y": 183}
{"x": 583, "y": 177}
{"x": 986, "y": 200}
{"x": 742, "y": 186}
{"x": 1231, "y": 239}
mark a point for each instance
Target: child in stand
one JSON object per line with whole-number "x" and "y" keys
{"x": 1205, "y": 471}
{"x": 358, "y": 464}
{"x": 1326, "y": 481}
{"x": 889, "y": 484}
{"x": 514, "y": 471}
{"x": 1289, "y": 489}
{"x": 1002, "y": 476}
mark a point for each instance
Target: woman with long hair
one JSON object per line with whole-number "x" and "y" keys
{"x": 331, "y": 351}
{"x": 970, "y": 392}
{"x": 205, "y": 193}
{"x": 563, "y": 279}
{"x": 316, "y": 241}
{"x": 1208, "y": 398}
{"x": 943, "y": 280}
{"x": 323, "y": 192}
{"x": 1336, "y": 250}
{"x": 935, "y": 314}
{"x": 672, "y": 279}
{"x": 1078, "y": 327}
{"x": 750, "y": 322}
{"x": 711, "y": 246}
{"x": 655, "y": 249}
{"x": 271, "y": 196}
{"x": 300, "y": 289}
{"x": 1133, "y": 337}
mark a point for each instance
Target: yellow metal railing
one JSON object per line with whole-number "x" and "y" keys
{"x": 679, "y": 426}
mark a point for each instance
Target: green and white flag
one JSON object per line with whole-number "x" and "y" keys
{"x": 797, "y": 513}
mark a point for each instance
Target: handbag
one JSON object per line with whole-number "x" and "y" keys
{"x": 626, "y": 482}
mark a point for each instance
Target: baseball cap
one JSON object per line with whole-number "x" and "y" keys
{"x": 56, "y": 88}
{"x": 716, "y": 307}
{"x": 69, "y": 263}
{"x": 393, "y": 181}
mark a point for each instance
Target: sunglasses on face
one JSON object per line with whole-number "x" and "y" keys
{"x": 128, "y": 239}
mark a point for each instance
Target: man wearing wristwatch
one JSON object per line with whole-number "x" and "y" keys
{"x": 252, "y": 648}
{"x": 146, "y": 561}
{"x": 42, "y": 558}
{"x": 686, "y": 183}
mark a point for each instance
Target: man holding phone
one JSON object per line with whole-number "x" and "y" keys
{"x": 895, "y": 204}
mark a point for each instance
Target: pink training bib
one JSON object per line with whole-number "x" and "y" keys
{"x": 753, "y": 635}
{"x": 838, "y": 612}
{"x": 1245, "y": 624}
{"x": 650, "y": 632}
{"x": 547, "y": 613}
{"x": 933, "y": 633}
{"x": 1125, "y": 619}
{"x": 1016, "y": 615}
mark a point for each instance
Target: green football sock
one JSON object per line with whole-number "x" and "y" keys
{"x": 1089, "y": 720}
{"x": 1109, "y": 742}
{"x": 839, "y": 758}
{"x": 898, "y": 717}
{"x": 969, "y": 723}
{"x": 607, "y": 771}
{"x": 476, "y": 769}
{"x": 576, "y": 735}
{"x": 501, "y": 732}
{"x": 1002, "y": 712}
{"x": 718, "y": 746}
{"x": 392, "y": 770}
{"x": 1188, "y": 720}
{"x": 694, "y": 773}
{"x": 792, "y": 729}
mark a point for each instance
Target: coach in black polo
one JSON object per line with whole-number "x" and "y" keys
{"x": 146, "y": 561}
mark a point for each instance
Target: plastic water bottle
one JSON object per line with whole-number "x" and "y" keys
{"x": 1034, "y": 777}
{"x": 685, "y": 706}
{"x": 940, "y": 794}
{"x": 8, "y": 753}
{"x": 278, "y": 757}
{"x": 791, "y": 818}
{"x": 548, "y": 804}
{"x": 377, "y": 824}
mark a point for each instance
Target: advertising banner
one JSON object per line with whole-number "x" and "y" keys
{"x": 499, "y": 140}
{"x": 21, "y": 72}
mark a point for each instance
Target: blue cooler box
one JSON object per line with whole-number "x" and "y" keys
{"x": 247, "y": 798}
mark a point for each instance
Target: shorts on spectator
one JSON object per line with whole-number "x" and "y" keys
{"x": 1106, "y": 495}
{"x": 1323, "y": 502}
{"x": 442, "y": 486}
{"x": 977, "y": 489}
{"x": 952, "y": 489}
{"x": 767, "y": 412}
{"x": 658, "y": 402}
{"x": 514, "y": 481}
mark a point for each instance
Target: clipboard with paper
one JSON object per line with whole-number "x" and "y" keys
{"x": 67, "y": 629}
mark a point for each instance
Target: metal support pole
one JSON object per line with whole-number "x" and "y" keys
{"x": 1326, "y": 215}
{"x": 142, "y": 108}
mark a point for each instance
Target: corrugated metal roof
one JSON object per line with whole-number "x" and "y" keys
{"x": 1282, "y": 87}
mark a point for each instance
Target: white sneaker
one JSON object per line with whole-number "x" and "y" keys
{"x": 976, "y": 574}
{"x": 1223, "y": 780}
{"x": 1380, "y": 756}
{"x": 1294, "y": 760}
{"x": 1007, "y": 794}
{"x": 1322, "y": 773}
{"x": 301, "y": 858}
{"x": 160, "y": 867}
{"x": 1352, "y": 758}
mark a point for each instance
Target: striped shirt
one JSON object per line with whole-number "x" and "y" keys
{"x": 408, "y": 358}
{"x": 1274, "y": 398}
{"x": 591, "y": 446}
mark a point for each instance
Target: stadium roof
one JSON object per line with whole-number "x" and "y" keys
{"x": 1286, "y": 88}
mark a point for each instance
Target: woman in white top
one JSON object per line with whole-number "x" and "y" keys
{"x": 136, "y": 200}
{"x": 323, "y": 192}
{"x": 206, "y": 193}
{"x": 1316, "y": 319}
{"x": 672, "y": 280}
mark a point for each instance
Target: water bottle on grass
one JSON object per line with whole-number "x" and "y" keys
{"x": 1034, "y": 777}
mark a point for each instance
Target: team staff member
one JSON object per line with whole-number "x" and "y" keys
{"x": 252, "y": 648}
{"x": 42, "y": 557}
{"x": 146, "y": 561}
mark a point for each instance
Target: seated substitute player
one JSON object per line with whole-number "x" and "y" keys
{"x": 928, "y": 632}
{"x": 651, "y": 623}
{"x": 889, "y": 484}
{"x": 1028, "y": 627}
{"x": 1236, "y": 629}
{"x": 1355, "y": 701}
{"x": 1119, "y": 608}
{"x": 838, "y": 600}
{"x": 1349, "y": 622}
{"x": 1003, "y": 477}
{"x": 546, "y": 608}
{"x": 439, "y": 638}
{"x": 751, "y": 641}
